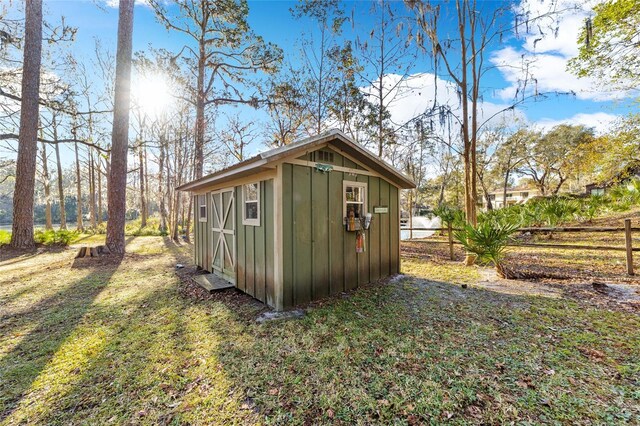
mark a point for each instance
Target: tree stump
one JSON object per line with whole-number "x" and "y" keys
{"x": 92, "y": 251}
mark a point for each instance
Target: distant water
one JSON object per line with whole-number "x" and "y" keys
{"x": 421, "y": 222}
{"x": 56, "y": 226}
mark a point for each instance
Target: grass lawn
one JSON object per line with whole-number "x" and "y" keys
{"x": 91, "y": 342}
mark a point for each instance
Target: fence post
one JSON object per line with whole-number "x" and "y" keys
{"x": 450, "y": 240}
{"x": 627, "y": 237}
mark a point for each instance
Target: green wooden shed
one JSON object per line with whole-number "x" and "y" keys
{"x": 287, "y": 225}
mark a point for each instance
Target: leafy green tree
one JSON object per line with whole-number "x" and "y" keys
{"x": 609, "y": 48}
{"x": 508, "y": 157}
{"x": 554, "y": 157}
{"x": 614, "y": 154}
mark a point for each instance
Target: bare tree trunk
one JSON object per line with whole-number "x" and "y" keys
{"x": 92, "y": 190}
{"x": 47, "y": 188}
{"x": 146, "y": 181}
{"x": 187, "y": 232}
{"x": 79, "y": 225}
{"x": 22, "y": 227}
{"x": 161, "y": 189}
{"x": 505, "y": 188}
{"x": 200, "y": 101}
{"x": 120, "y": 134}
{"x": 143, "y": 199}
{"x": 63, "y": 213}
{"x": 99, "y": 211}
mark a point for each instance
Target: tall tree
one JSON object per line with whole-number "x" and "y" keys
{"x": 387, "y": 61}
{"x": 117, "y": 185}
{"x": 317, "y": 50}
{"x": 22, "y": 229}
{"x": 225, "y": 54}
{"x": 508, "y": 157}
{"x": 79, "y": 224}
{"x": 555, "y": 156}
{"x": 61, "y": 200}
{"x": 463, "y": 59}
{"x": 287, "y": 107}
{"x": 46, "y": 184}
{"x": 237, "y": 136}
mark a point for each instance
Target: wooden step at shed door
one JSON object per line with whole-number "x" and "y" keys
{"x": 224, "y": 234}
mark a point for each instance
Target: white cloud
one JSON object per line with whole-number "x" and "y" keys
{"x": 116, "y": 3}
{"x": 543, "y": 53}
{"x": 600, "y": 121}
{"x": 417, "y": 93}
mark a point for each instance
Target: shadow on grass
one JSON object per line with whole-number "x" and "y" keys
{"x": 55, "y": 318}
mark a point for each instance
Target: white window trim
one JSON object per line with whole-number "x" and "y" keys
{"x": 202, "y": 202}
{"x": 365, "y": 191}
{"x": 245, "y": 221}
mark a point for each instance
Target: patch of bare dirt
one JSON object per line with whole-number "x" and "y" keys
{"x": 624, "y": 297}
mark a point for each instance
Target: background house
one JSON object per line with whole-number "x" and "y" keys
{"x": 517, "y": 195}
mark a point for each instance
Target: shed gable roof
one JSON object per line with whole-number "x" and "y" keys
{"x": 265, "y": 161}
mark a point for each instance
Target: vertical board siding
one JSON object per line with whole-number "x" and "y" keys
{"x": 374, "y": 232}
{"x": 254, "y": 247}
{"x": 269, "y": 222}
{"x": 336, "y": 233}
{"x": 320, "y": 234}
{"x": 319, "y": 254}
{"x": 394, "y": 230}
{"x": 259, "y": 251}
{"x": 241, "y": 276}
{"x": 384, "y": 224}
{"x": 287, "y": 235}
{"x": 196, "y": 229}
{"x": 208, "y": 235}
{"x": 302, "y": 247}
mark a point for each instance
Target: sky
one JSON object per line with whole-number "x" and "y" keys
{"x": 589, "y": 104}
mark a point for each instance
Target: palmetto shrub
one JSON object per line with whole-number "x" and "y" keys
{"x": 558, "y": 210}
{"x": 450, "y": 215}
{"x": 488, "y": 242}
{"x": 592, "y": 206}
{"x": 626, "y": 194}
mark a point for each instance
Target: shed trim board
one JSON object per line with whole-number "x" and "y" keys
{"x": 300, "y": 250}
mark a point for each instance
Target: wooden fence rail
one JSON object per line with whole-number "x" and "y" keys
{"x": 627, "y": 229}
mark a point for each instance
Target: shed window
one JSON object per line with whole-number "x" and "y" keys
{"x": 251, "y": 198}
{"x": 525, "y": 195}
{"x": 355, "y": 199}
{"x": 202, "y": 211}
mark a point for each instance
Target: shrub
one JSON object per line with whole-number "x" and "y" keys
{"x": 5, "y": 237}
{"x": 50, "y": 237}
{"x": 592, "y": 206}
{"x": 626, "y": 194}
{"x": 152, "y": 229}
{"x": 488, "y": 241}
{"x": 450, "y": 215}
{"x": 557, "y": 210}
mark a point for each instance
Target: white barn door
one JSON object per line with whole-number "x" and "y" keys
{"x": 224, "y": 234}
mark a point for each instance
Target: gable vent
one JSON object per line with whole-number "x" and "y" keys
{"x": 324, "y": 157}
